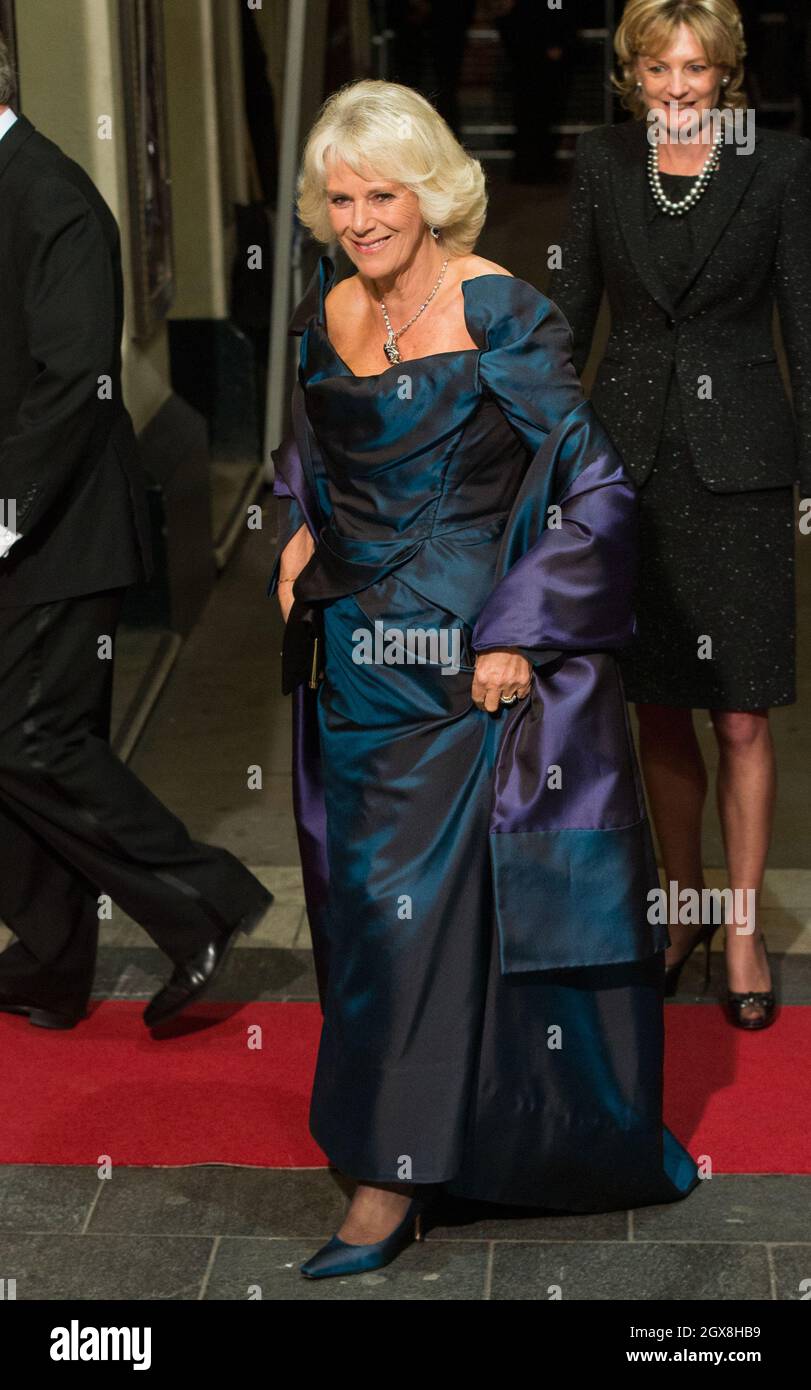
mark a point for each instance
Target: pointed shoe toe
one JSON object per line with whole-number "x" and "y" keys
{"x": 338, "y": 1257}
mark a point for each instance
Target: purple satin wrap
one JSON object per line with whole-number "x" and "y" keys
{"x": 568, "y": 817}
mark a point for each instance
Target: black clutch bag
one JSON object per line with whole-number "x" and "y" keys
{"x": 303, "y": 647}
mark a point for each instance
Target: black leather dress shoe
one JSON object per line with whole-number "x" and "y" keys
{"x": 40, "y": 1016}
{"x": 192, "y": 977}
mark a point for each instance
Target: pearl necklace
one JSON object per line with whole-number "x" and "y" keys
{"x": 678, "y": 209}
{"x": 390, "y": 346}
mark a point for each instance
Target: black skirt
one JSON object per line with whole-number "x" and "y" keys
{"x": 715, "y": 604}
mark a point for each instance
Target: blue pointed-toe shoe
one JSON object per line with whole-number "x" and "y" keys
{"x": 338, "y": 1257}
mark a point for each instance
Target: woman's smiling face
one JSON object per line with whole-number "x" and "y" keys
{"x": 377, "y": 221}
{"x": 679, "y": 84}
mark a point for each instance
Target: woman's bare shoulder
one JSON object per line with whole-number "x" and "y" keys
{"x": 345, "y": 302}
{"x": 473, "y": 266}
{"x": 344, "y": 293}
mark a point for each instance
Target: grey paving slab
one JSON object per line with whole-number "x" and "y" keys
{"x": 45, "y": 1197}
{"x": 303, "y": 985}
{"x": 427, "y": 1271}
{"x": 105, "y": 1267}
{"x": 219, "y": 1200}
{"x": 608, "y": 1271}
{"x": 266, "y": 973}
{"x": 263, "y": 973}
{"x": 130, "y": 972}
{"x": 463, "y": 1220}
{"x": 216, "y": 1200}
{"x": 791, "y": 978}
{"x": 215, "y": 1230}
{"x": 734, "y": 1207}
{"x": 792, "y": 1272}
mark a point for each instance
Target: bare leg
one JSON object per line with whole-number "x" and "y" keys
{"x": 676, "y": 783}
{"x": 747, "y": 783}
{"x": 376, "y": 1209}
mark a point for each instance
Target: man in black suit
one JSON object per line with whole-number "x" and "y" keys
{"x": 75, "y": 823}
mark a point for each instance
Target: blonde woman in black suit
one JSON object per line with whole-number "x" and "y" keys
{"x": 694, "y": 245}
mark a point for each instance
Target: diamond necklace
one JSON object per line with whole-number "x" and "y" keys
{"x": 390, "y": 346}
{"x": 677, "y": 209}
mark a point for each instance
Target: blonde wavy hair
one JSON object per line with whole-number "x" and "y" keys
{"x": 386, "y": 130}
{"x": 647, "y": 26}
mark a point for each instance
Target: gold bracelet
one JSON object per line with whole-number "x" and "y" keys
{"x": 284, "y": 581}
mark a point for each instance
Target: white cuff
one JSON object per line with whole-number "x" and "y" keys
{"x": 7, "y": 539}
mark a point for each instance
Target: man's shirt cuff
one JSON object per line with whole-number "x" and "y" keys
{"x": 7, "y": 539}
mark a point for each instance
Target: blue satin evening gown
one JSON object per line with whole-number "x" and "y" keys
{"x": 539, "y": 1087}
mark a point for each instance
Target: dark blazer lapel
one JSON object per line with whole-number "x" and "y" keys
{"x": 629, "y": 187}
{"x": 727, "y": 187}
{"x": 13, "y": 141}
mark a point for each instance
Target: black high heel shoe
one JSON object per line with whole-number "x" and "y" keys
{"x": 673, "y": 971}
{"x": 762, "y": 999}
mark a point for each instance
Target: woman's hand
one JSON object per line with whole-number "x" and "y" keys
{"x": 500, "y": 673}
{"x": 294, "y": 557}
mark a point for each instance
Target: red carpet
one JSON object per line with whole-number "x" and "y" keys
{"x": 208, "y": 1096}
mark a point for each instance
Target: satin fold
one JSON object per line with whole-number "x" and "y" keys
{"x": 564, "y": 804}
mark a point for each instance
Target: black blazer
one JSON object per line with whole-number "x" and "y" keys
{"x": 755, "y": 250}
{"x": 68, "y": 454}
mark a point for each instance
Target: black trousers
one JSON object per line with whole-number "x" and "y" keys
{"x": 76, "y": 823}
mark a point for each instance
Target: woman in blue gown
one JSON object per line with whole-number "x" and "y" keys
{"x": 455, "y": 564}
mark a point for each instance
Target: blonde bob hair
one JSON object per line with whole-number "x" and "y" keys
{"x": 647, "y": 26}
{"x": 388, "y": 131}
